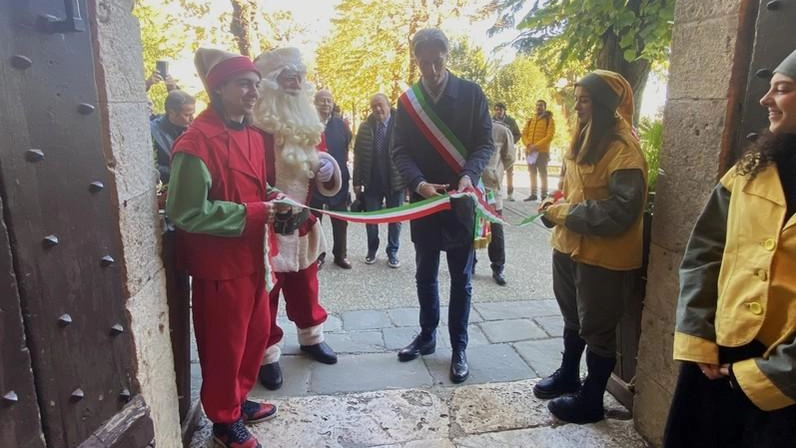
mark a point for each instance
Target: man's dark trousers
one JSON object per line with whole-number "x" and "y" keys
{"x": 373, "y": 202}
{"x": 460, "y": 266}
{"x": 497, "y": 245}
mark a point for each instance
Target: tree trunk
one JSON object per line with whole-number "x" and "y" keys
{"x": 244, "y": 13}
{"x": 611, "y": 57}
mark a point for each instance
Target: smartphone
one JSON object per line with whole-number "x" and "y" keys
{"x": 162, "y": 67}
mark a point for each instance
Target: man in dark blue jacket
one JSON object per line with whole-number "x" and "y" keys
{"x": 338, "y": 138}
{"x": 455, "y": 112}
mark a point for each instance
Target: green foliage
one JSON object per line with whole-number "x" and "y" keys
{"x": 651, "y": 136}
{"x": 563, "y": 31}
{"x": 470, "y": 63}
{"x": 368, "y": 51}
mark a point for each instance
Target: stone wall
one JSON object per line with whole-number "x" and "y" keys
{"x": 698, "y": 124}
{"x": 119, "y": 73}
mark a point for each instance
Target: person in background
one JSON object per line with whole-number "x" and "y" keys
{"x": 375, "y": 177}
{"x": 222, "y": 215}
{"x": 430, "y": 167}
{"x": 735, "y": 329}
{"x": 502, "y": 117}
{"x": 180, "y": 108}
{"x": 597, "y": 243}
{"x": 536, "y": 136}
{"x": 502, "y": 158}
{"x": 337, "y": 137}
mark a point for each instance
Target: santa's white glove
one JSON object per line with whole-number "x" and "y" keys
{"x": 325, "y": 170}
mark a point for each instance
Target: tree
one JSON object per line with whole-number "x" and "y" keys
{"x": 369, "y": 48}
{"x": 244, "y": 25}
{"x": 625, "y": 36}
{"x": 470, "y": 63}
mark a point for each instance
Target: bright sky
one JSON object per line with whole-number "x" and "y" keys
{"x": 316, "y": 17}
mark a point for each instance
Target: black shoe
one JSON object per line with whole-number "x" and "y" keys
{"x": 234, "y": 435}
{"x": 587, "y": 405}
{"x": 499, "y": 276}
{"x": 421, "y": 345}
{"x": 320, "y": 352}
{"x": 271, "y": 376}
{"x": 565, "y": 380}
{"x": 459, "y": 368}
{"x": 555, "y": 386}
{"x": 321, "y": 260}
{"x": 342, "y": 262}
{"x": 530, "y": 198}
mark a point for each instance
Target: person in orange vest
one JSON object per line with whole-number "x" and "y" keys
{"x": 221, "y": 205}
{"x": 536, "y": 136}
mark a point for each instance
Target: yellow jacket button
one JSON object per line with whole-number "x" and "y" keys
{"x": 755, "y": 308}
{"x": 770, "y": 244}
{"x": 762, "y": 275}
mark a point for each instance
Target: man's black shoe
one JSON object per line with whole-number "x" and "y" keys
{"x": 530, "y": 198}
{"x": 421, "y": 345}
{"x": 459, "y": 368}
{"x": 320, "y": 352}
{"x": 343, "y": 263}
{"x": 271, "y": 376}
{"x": 499, "y": 276}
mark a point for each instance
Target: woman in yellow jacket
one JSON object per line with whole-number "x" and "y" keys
{"x": 597, "y": 242}
{"x": 736, "y": 315}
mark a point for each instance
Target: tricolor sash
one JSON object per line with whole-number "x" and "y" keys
{"x": 450, "y": 149}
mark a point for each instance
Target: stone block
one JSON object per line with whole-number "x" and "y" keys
{"x": 399, "y": 337}
{"x": 514, "y": 310}
{"x": 488, "y": 363}
{"x": 651, "y": 407}
{"x": 359, "y": 373}
{"x": 365, "y": 320}
{"x": 511, "y": 330}
{"x": 369, "y": 341}
{"x": 404, "y": 317}
{"x": 702, "y": 58}
{"x": 604, "y": 434}
{"x": 357, "y": 420}
{"x": 663, "y": 284}
{"x": 140, "y": 229}
{"x": 131, "y": 145}
{"x": 686, "y": 11}
{"x": 121, "y": 59}
{"x": 690, "y": 159}
{"x": 655, "y": 350}
{"x": 482, "y": 408}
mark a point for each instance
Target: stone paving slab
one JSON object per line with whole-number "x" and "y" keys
{"x": 365, "y": 320}
{"x": 606, "y": 434}
{"x": 368, "y": 341}
{"x": 514, "y": 310}
{"x": 296, "y": 374}
{"x": 497, "y": 407}
{"x": 368, "y": 372}
{"x": 544, "y": 355}
{"x": 512, "y": 330}
{"x": 552, "y": 325}
{"x": 488, "y": 363}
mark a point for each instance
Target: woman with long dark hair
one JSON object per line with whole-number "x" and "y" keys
{"x": 597, "y": 242}
{"x": 736, "y": 315}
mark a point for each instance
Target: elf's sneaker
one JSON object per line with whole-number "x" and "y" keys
{"x": 252, "y": 412}
{"x": 233, "y": 435}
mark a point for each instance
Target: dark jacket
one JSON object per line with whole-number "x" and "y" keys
{"x": 364, "y": 145}
{"x": 163, "y": 135}
{"x": 338, "y": 139}
{"x": 463, "y": 108}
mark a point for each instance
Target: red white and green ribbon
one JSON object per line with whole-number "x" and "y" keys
{"x": 408, "y": 212}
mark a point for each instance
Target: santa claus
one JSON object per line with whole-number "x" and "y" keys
{"x": 297, "y": 166}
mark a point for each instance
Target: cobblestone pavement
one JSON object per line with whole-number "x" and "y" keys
{"x": 369, "y": 399}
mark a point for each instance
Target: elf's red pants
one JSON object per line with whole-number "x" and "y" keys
{"x": 230, "y": 318}
{"x": 301, "y": 300}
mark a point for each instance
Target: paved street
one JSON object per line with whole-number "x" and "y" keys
{"x": 369, "y": 399}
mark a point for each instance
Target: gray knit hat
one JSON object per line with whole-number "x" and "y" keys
{"x": 788, "y": 66}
